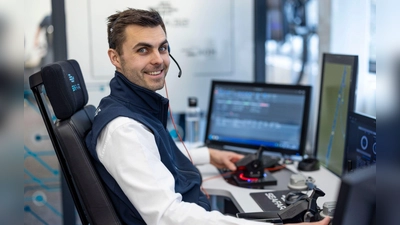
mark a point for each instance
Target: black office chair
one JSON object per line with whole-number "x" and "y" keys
{"x": 62, "y": 85}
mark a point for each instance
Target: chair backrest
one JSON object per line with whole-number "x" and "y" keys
{"x": 60, "y": 87}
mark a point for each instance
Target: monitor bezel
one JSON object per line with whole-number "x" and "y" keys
{"x": 283, "y": 151}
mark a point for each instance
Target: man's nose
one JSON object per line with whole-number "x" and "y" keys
{"x": 156, "y": 58}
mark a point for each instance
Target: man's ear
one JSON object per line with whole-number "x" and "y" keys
{"x": 114, "y": 58}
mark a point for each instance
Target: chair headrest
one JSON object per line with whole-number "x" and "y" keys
{"x": 65, "y": 87}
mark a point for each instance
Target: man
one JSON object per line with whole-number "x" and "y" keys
{"x": 150, "y": 181}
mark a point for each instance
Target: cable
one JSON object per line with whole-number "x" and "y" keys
{"x": 180, "y": 138}
{"x": 276, "y": 168}
{"x": 173, "y": 123}
{"x": 219, "y": 175}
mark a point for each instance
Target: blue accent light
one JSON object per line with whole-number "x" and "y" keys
{"x": 76, "y": 87}
{"x": 71, "y": 78}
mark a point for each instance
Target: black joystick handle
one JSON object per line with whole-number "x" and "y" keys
{"x": 304, "y": 210}
{"x": 254, "y": 169}
{"x": 312, "y": 213}
{"x": 252, "y": 164}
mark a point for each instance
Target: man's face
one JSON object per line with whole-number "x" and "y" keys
{"x": 145, "y": 59}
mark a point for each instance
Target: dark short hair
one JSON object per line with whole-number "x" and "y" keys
{"x": 120, "y": 20}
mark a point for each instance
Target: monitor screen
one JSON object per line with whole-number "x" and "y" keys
{"x": 250, "y": 115}
{"x": 337, "y": 94}
{"x": 356, "y": 202}
{"x": 360, "y": 149}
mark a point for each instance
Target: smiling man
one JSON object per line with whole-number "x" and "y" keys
{"x": 143, "y": 57}
{"x": 149, "y": 180}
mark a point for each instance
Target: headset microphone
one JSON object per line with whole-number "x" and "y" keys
{"x": 180, "y": 70}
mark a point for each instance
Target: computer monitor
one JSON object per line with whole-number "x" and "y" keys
{"x": 360, "y": 148}
{"x": 337, "y": 94}
{"x": 356, "y": 202}
{"x": 242, "y": 116}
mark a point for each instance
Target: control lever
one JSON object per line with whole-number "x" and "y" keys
{"x": 305, "y": 210}
{"x": 252, "y": 164}
{"x": 312, "y": 206}
{"x": 251, "y": 171}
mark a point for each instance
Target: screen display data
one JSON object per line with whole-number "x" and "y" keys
{"x": 360, "y": 148}
{"x": 258, "y": 115}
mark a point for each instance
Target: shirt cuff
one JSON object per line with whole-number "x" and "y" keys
{"x": 199, "y": 155}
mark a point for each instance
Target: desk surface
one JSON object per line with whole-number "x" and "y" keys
{"x": 324, "y": 180}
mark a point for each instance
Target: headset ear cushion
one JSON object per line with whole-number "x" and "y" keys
{"x": 169, "y": 49}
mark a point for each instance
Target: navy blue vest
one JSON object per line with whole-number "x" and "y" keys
{"x": 151, "y": 109}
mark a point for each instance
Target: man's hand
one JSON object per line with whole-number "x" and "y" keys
{"x": 224, "y": 159}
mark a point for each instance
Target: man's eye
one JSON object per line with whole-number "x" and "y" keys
{"x": 142, "y": 50}
{"x": 163, "y": 49}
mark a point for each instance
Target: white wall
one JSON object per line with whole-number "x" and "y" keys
{"x": 388, "y": 50}
{"x": 350, "y": 35}
{"x": 34, "y": 12}
{"x": 226, "y": 26}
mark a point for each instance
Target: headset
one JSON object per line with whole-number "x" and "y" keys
{"x": 177, "y": 64}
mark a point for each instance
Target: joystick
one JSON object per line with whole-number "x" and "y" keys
{"x": 303, "y": 210}
{"x": 251, "y": 171}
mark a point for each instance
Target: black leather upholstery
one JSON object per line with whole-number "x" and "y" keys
{"x": 65, "y": 87}
{"x": 66, "y": 90}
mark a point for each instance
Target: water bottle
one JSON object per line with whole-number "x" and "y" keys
{"x": 192, "y": 121}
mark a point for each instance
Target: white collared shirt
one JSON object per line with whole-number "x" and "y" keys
{"x": 128, "y": 151}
